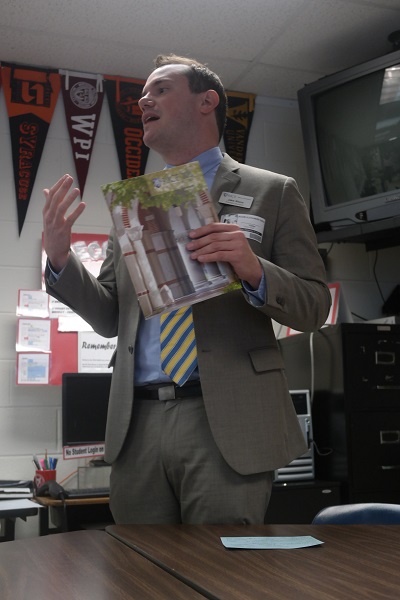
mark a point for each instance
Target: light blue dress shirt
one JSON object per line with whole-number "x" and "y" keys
{"x": 147, "y": 353}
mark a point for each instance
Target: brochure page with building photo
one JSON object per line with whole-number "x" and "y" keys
{"x": 152, "y": 215}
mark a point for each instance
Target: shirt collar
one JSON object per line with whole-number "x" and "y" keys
{"x": 209, "y": 163}
{"x": 207, "y": 159}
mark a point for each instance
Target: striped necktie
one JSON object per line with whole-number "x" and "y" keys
{"x": 178, "y": 344}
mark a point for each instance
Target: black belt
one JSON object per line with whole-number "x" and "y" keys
{"x": 168, "y": 391}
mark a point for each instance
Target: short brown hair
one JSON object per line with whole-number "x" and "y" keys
{"x": 200, "y": 79}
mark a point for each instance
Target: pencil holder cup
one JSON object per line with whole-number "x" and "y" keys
{"x": 44, "y": 475}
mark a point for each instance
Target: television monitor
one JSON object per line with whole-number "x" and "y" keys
{"x": 351, "y": 131}
{"x": 84, "y": 399}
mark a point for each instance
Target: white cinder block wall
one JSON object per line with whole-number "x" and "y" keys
{"x": 30, "y": 419}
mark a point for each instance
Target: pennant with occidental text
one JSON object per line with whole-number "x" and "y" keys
{"x": 238, "y": 124}
{"x": 31, "y": 96}
{"x": 83, "y": 100}
{"x": 123, "y": 95}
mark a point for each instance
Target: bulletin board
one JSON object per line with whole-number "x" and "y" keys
{"x": 51, "y": 338}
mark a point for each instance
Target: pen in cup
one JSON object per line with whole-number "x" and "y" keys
{"x": 45, "y": 464}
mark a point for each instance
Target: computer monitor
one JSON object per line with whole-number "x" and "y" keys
{"x": 84, "y": 408}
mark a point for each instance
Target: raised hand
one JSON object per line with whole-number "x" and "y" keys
{"x": 57, "y": 224}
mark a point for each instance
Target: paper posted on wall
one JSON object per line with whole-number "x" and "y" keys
{"x": 152, "y": 216}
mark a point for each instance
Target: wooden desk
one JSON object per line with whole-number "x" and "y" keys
{"x": 83, "y": 565}
{"x": 10, "y": 515}
{"x": 77, "y": 511}
{"x": 355, "y": 561}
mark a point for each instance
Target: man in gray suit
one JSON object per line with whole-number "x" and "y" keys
{"x": 204, "y": 452}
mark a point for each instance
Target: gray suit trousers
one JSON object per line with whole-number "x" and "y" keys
{"x": 171, "y": 471}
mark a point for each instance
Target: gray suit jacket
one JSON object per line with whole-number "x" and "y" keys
{"x": 245, "y": 392}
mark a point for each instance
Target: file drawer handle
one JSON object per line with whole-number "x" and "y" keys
{"x": 388, "y": 387}
{"x": 385, "y": 358}
{"x": 390, "y": 437}
{"x": 390, "y": 467}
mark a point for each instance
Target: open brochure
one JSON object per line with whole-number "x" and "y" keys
{"x": 152, "y": 215}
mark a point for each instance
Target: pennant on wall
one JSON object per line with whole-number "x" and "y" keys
{"x": 83, "y": 99}
{"x": 31, "y": 96}
{"x": 239, "y": 118}
{"x": 123, "y": 95}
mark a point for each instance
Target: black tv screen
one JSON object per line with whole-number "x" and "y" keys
{"x": 351, "y": 131}
{"x": 84, "y": 407}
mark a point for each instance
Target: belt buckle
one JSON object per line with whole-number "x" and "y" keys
{"x": 166, "y": 392}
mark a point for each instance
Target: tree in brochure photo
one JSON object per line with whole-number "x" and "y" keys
{"x": 152, "y": 215}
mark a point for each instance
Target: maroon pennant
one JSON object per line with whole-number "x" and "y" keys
{"x": 83, "y": 99}
{"x": 123, "y": 94}
{"x": 31, "y": 96}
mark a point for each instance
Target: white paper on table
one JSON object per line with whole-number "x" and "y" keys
{"x": 270, "y": 542}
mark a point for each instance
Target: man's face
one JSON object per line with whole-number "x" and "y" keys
{"x": 170, "y": 110}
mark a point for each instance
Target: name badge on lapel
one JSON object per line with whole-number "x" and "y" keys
{"x": 236, "y": 199}
{"x": 251, "y": 225}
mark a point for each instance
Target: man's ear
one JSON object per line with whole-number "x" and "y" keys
{"x": 209, "y": 101}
